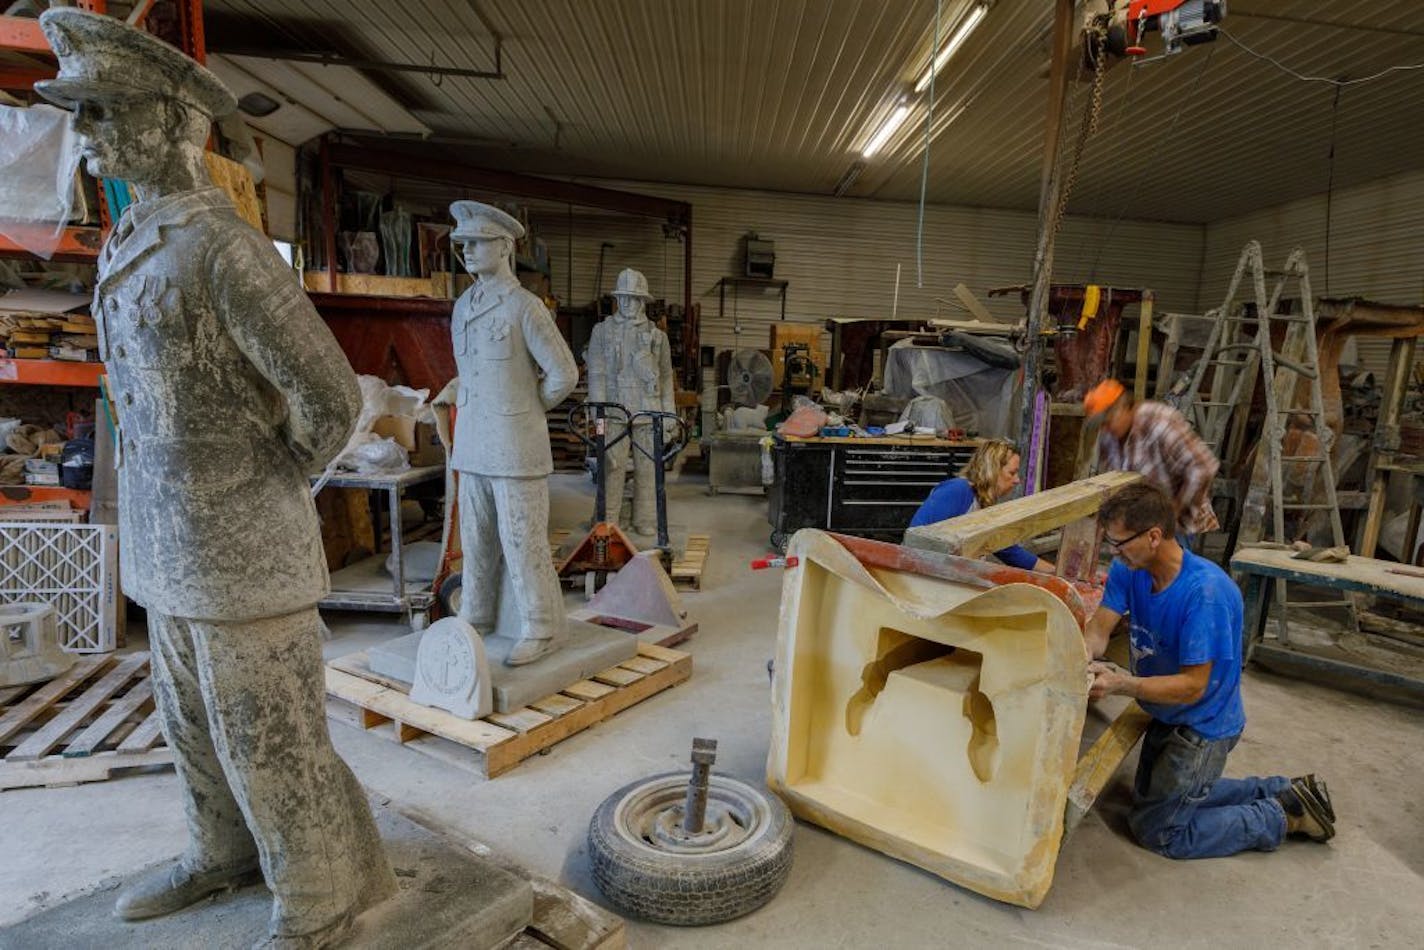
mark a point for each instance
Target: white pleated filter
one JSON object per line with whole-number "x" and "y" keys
{"x": 74, "y": 568}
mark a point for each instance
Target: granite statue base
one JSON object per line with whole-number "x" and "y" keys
{"x": 447, "y": 897}
{"x": 587, "y": 649}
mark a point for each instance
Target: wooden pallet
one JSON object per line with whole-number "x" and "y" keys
{"x": 686, "y": 570}
{"x": 503, "y": 740}
{"x": 81, "y": 726}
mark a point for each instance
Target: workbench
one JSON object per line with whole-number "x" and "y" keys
{"x": 869, "y": 487}
{"x": 1390, "y": 666}
{"x": 366, "y": 585}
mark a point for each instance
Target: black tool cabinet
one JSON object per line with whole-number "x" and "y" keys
{"x": 864, "y": 487}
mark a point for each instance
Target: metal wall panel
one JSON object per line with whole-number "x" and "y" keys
{"x": 840, "y": 256}
{"x": 1376, "y": 247}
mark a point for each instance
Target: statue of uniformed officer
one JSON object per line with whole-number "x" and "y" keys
{"x": 229, "y": 390}
{"x": 513, "y": 366}
{"x": 630, "y": 363}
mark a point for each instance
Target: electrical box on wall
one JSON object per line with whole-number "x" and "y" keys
{"x": 759, "y": 256}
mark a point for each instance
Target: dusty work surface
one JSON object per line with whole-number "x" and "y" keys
{"x": 447, "y": 897}
{"x": 1364, "y": 889}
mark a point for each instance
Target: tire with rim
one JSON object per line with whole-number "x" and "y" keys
{"x": 648, "y": 867}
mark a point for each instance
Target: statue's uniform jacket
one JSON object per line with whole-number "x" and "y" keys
{"x": 503, "y": 336}
{"x": 514, "y": 365}
{"x": 229, "y": 391}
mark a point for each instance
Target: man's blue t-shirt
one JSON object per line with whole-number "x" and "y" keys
{"x": 952, "y": 498}
{"x": 1196, "y": 620}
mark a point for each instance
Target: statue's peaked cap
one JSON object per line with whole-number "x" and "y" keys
{"x": 103, "y": 58}
{"x": 475, "y": 220}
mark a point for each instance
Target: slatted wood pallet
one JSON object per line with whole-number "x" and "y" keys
{"x": 503, "y": 740}
{"x": 81, "y": 726}
{"x": 686, "y": 569}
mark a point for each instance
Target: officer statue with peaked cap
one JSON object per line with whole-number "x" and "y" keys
{"x": 229, "y": 391}
{"x": 513, "y": 366}
{"x": 630, "y": 363}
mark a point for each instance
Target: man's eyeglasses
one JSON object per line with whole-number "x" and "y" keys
{"x": 1117, "y": 545}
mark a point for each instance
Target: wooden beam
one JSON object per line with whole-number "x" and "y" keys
{"x": 1144, "y": 344}
{"x": 368, "y": 155}
{"x": 1102, "y": 760}
{"x": 1401, "y": 361}
{"x": 991, "y": 529}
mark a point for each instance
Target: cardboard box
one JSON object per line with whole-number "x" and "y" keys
{"x": 419, "y": 439}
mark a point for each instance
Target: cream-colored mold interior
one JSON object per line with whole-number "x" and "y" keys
{"x": 944, "y": 717}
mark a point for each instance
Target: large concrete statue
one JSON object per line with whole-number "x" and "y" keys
{"x": 229, "y": 391}
{"x": 630, "y": 362}
{"x": 513, "y": 366}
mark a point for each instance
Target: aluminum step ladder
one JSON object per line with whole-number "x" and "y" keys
{"x": 1293, "y": 471}
{"x": 1232, "y": 357}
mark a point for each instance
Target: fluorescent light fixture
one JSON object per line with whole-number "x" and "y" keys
{"x": 897, "y": 118}
{"x": 955, "y": 41}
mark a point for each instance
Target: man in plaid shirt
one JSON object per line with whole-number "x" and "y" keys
{"x": 1155, "y": 440}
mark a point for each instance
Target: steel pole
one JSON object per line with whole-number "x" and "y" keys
{"x": 694, "y": 812}
{"x": 1050, "y": 191}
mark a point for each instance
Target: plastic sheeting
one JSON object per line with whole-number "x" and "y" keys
{"x": 928, "y": 412}
{"x": 366, "y": 452}
{"x": 38, "y": 158}
{"x": 980, "y": 396}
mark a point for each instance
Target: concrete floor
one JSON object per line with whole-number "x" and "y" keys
{"x": 1364, "y": 889}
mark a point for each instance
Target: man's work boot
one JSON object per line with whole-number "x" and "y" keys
{"x": 1316, "y": 786}
{"x": 329, "y": 936}
{"x": 530, "y": 649}
{"x": 1305, "y": 815}
{"x": 173, "y": 887}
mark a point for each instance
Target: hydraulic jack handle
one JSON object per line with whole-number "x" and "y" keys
{"x": 663, "y": 452}
{"x": 599, "y": 411}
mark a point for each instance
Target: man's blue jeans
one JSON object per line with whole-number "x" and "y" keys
{"x": 1183, "y": 808}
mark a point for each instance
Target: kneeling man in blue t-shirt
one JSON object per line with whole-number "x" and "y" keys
{"x": 1184, "y": 615}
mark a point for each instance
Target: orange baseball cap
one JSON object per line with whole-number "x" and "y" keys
{"x": 1101, "y": 397}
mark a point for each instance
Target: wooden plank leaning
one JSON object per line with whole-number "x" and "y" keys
{"x": 1012, "y": 522}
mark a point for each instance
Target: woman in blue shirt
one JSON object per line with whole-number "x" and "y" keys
{"x": 991, "y": 473}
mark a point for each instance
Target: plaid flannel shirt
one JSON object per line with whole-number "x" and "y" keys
{"x": 1162, "y": 447}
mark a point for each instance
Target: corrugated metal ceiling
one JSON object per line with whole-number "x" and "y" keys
{"x": 781, "y": 95}
{"x": 313, "y": 99}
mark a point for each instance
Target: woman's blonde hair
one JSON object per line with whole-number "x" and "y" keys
{"x": 983, "y": 468}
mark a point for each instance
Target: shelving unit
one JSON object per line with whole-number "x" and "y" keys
{"x": 77, "y": 245}
{"x": 25, "y": 494}
{"x": 50, "y": 372}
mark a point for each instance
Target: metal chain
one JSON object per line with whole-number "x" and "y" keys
{"x": 1088, "y": 126}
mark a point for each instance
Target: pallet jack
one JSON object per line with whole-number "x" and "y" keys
{"x": 605, "y": 549}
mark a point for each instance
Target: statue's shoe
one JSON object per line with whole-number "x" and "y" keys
{"x": 329, "y": 936}
{"x": 173, "y": 887}
{"x": 528, "y": 650}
